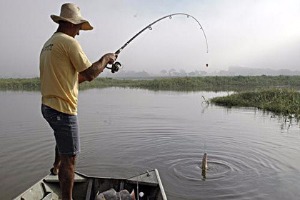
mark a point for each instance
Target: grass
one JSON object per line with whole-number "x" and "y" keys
{"x": 23, "y": 84}
{"x": 212, "y": 83}
{"x": 272, "y": 93}
{"x": 278, "y": 100}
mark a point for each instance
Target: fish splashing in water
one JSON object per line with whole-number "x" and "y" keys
{"x": 204, "y": 166}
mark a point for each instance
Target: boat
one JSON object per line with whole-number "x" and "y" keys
{"x": 146, "y": 186}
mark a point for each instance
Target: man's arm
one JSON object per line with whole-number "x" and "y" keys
{"x": 97, "y": 67}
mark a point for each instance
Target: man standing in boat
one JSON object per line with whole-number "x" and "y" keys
{"x": 63, "y": 65}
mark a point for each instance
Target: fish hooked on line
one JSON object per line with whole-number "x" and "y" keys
{"x": 204, "y": 162}
{"x": 204, "y": 165}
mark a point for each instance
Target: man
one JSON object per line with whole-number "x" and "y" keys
{"x": 63, "y": 65}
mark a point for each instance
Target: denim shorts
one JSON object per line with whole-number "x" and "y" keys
{"x": 65, "y": 129}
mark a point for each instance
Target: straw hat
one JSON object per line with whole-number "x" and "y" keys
{"x": 71, "y": 13}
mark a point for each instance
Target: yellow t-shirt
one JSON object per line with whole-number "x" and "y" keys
{"x": 60, "y": 61}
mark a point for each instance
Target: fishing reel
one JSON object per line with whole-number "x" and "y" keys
{"x": 115, "y": 67}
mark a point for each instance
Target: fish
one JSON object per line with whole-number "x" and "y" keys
{"x": 204, "y": 162}
{"x": 204, "y": 166}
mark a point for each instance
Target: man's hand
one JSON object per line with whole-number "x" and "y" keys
{"x": 110, "y": 58}
{"x": 97, "y": 67}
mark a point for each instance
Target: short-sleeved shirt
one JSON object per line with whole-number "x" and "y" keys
{"x": 61, "y": 59}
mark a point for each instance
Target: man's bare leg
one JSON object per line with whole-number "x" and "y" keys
{"x": 56, "y": 163}
{"x": 66, "y": 175}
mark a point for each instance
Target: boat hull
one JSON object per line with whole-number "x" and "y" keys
{"x": 86, "y": 187}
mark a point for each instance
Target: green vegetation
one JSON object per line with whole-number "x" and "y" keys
{"x": 279, "y": 101}
{"x": 211, "y": 83}
{"x": 24, "y": 84}
{"x": 272, "y": 93}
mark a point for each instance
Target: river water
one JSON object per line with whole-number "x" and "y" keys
{"x": 251, "y": 154}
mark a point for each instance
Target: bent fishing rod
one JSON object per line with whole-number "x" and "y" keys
{"x": 116, "y": 66}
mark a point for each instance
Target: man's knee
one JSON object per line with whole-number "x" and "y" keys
{"x": 67, "y": 160}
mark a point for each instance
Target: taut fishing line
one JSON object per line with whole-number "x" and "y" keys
{"x": 116, "y": 66}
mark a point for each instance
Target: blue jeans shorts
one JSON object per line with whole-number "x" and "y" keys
{"x": 65, "y": 129}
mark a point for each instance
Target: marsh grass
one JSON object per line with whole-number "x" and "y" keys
{"x": 277, "y": 100}
{"x": 209, "y": 83}
{"x": 20, "y": 84}
{"x": 271, "y": 93}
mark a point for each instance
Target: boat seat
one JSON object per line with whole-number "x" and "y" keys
{"x": 54, "y": 179}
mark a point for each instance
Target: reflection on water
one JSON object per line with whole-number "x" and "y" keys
{"x": 251, "y": 155}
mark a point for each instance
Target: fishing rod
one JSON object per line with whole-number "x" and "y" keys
{"x": 116, "y": 66}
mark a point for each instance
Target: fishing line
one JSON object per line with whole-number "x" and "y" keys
{"x": 117, "y": 65}
{"x": 204, "y": 145}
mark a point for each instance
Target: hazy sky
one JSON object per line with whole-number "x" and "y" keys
{"x": 246, "y": 33}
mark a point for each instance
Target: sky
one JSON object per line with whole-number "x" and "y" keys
{"x": 244, "y": 33}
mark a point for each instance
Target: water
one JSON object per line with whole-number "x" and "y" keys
{"x": 251, "y": 154}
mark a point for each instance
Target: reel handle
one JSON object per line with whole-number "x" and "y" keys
{"x": 114, "y": 67}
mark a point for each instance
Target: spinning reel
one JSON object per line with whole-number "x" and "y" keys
{"x": 115, "y": 67}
